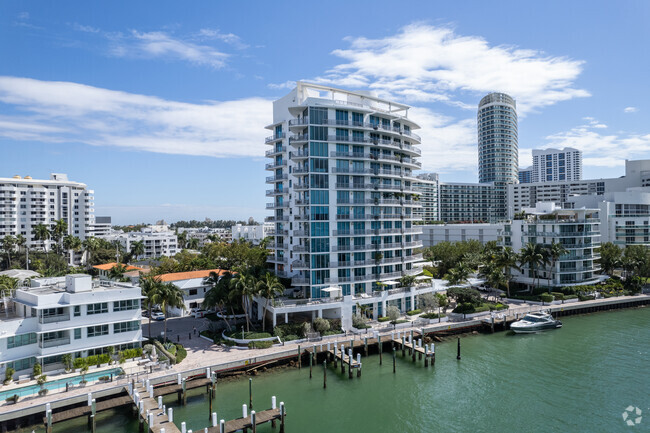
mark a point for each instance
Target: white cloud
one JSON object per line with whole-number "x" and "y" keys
{"x": 424, "y": 63}
{"x": 229, "y": 38}
{"x": 602, "y": 150}
{"x": 86, "y": 29}
{"x": 162, "y": 45}
{"x": 51, "y": 111}
{"x": 630, "y": 110}
{"x": 286, "y": 85}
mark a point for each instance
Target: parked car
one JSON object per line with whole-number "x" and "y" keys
{"x": 199, "y": 314}
{"x": 157, "y": 316}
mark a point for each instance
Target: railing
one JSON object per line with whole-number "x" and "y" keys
{"x": 299, "y": 154}
{"x": 277, "y": 178}
{"x": 52, "y": 319}
{"x": 274, "y": 151}
{"x": 303, "y": 121}
{"x": 54, "y": 342}
{"x": 275, "y": 137}
{"x": 274, "y": 165}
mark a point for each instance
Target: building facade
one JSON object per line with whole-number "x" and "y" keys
{"x": 342, "y": 192}
{"x": 26, "y": 202}
{"x": 557, "y": 165}
{"x": 526, "y": 174}
{"x": 577, "y": 230}
{"x": 498, "y": 151}
{"x": 433, "y": 234}
{"x": 429, "y": 210}
{"x": 156, "y": 243}
{"x": 193, "y": 286}
{"x": 254, "y": 234}
{"x": 68, "y": 315}
{"x": 471, "y": 202}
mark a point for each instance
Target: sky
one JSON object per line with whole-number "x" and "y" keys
{"x": 160, "y": 107}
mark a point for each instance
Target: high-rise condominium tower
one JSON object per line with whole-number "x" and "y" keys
{"x": 498, "y": 154}
{"x": 342, "y": 189}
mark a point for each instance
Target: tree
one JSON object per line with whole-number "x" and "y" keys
{"x": 220, "y": 294}
{"x": 392, "y": 312}
{"x": 245, "y": 287}
{"x": 507, "y": 258}
{"x": 269, "y": 287}
{"x": 532, "y": 255}
{"x": 182, "y": 239}
{"x": 493, "y": 275}
{"x": 428, "y": 302}
{"x": 7, "y": 286}
{"x": 458, "y": 275}
{"x": 407, "y": 281}
{"x": 41, "y": 233}
{"x": 465, "y": 295}
{"x": 91, "y": 245}
{"x": 8, "y": 244}
{"x": 66, "y": 359}
{"x": 168, "y": 295}
{"x": 117, "y": 272}
{"x": 137, "y": 249}
{"x": 150, "y": 287}
{"x": 321, "y": 325}
{"x": 443, "y": 301}
{"x": 193, "y": 243}
{"x": 58, "y": 231}
{"x": 610, "y": 257}
{"x": 555, "y": 251}
{"x": 71, "y": 243}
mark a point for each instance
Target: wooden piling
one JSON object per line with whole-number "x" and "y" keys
{"x": 365, "y": 346}
{"x": 250, "y": 393}
{"x": 325, "y": 374}
{"x": 184, "y": 392}
{"x": 311, "y": 360}
{"x": 403, "y": 345}
{"x": 210, "y": 400}
{"x": 299, "y": 357}
{"x": 282, "y": 415}
{"x": 393, "y": 360}
{"x": 380, "y": 347}
{"x": 458, "y": 355}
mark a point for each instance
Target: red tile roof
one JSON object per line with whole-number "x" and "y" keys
{"x": 109, "y": 266}
{"x": 178, "y": 276}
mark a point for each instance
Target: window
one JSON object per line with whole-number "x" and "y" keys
{"x": 318, "y": 149}
{"x": 22, "y": 364}
{"x": 126, "y": 327}
{"x": 21, "y": 340}
{"x": 318, "y": 133}
{"x": 318, "y": 116}
{"x": 193, "y": 292}
{"x": 77, "y": 311}
{"x": 99, "y": 308}
{"x": 96, "y": 331}
{"x": 77, "y": 334}
{"x": 128, "y": 304}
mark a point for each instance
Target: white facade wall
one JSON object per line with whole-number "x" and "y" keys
{"x": 27, "y": 202}
{"x": 433, "y": 234}
{"x": 156, "y": 244}
{"x": 429, "y": 210}
{"x": 556, "y": 165}
{"x": 253, "y": 234}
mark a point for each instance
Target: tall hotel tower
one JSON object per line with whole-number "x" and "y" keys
{"x": 342, "y": 188}
{"x": 498, "y": 152}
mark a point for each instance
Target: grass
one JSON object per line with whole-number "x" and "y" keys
{"x": 251, "y": 335}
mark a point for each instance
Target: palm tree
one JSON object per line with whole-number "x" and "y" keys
{"x": 117, "y": 271}
{"x": 193, "y": 243}
{"x": 168, "y": 295}
{"x": 268, "y": 288}
{"x": 213, "y": 237}
{"x": 150, "y": 286}
{"x": 458, "y": 275}
{"x": 244, "y": 285}
{"x": 71, "y": 243}
{"x": 554, "y": 252}
{"x": 182, "y": 239}
{"x": 41, "y": 233}
{"x": 507, "y": 258}
{"x": 91, "y": 245}
{"x": 7, "y": 286}
{"x": 137, "y": 249}
{"x": 8, "y": 244}
{"x": 58, "y": 231}
{"x": 219, "y": 294}
{"x": 533, "y": 255}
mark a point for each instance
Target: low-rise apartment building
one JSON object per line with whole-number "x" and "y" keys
{"x": 67, "y": 315}
{"x": 156, "y": 243}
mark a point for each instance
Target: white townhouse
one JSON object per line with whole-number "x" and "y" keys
{"x": 72, "y": 314}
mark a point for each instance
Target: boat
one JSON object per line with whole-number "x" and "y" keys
{"x": 535, "y": 322}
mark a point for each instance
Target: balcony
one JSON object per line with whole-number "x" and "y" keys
{"x": 275, "y": 151}
{"x": 299, "y": 155}
{"x": 276, "y": 219}
{"x": 276, "y": 178}
{"x": 54, "y": 342}
{"x": 300, "y": 170}
{"x": 279, "y": 260}
{"x": 300, "y": 186}
{"x": 299, "y": 264}
{"x": 276, "y": 165}
{"x": 299, "y": 138}
{"x": 274, "y": 137}
{"x": 302, "y": 202}
{"x": 277, "y": 205}
{"x": 299, "y": 281}
{"x": 301, "y": 233}
{"x": 52, "y": 319}
{"x": 274, "y": 192}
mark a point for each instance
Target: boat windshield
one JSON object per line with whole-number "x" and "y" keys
{"x": 531, "y": 319}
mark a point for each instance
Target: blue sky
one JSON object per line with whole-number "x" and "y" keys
{"x": 160, "y": 107}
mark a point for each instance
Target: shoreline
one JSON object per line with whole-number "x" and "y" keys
{"x": 278, "y": 358}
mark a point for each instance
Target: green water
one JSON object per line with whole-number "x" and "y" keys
{"x": 578, "y": 378}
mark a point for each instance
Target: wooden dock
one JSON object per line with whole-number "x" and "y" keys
{"x": 243, "y": 424}
{"x": 410, "y": 343}
{"x": 87, "y": 410}
{"x": 150, "y": 406}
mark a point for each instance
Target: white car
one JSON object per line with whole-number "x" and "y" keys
{"x": 157, "y": 316}
{"x": 199, "y": 314}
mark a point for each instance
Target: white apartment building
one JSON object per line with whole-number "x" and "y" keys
{"x": 557, "y": 165}
{"x": 433, "y": 234}
{"x": 203, "y": 234}
{"x": 101, "y": 227}
{"x": 156, "y": 243}
{"x": 342, "y": 187}
{"x": 625, "y": 215}
{"x": 67, "y": 315}
{"x": 254, "y": 234}
{"x": 429, "y": 209}
{"x": 637, "y": 174}
{"x": 26, "y": 202}
{"x": 577, "y": 230}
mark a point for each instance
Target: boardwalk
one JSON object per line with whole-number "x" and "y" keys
{"x": 239, "y": 424}
{"x": 149, "y": 406}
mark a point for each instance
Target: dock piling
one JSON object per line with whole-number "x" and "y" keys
{"x": 250, "y": 393}
{"x": 273, "y": 406}
{"x": 380, "y": 347}
{"x": 183, "y": 427}
{"x": 458, "y": 355}
{"x": 244, "y": 411}
{"x": 299, "y": 357}
{"x": 282, "y": 414}
{"x": 342, "y": 359}
{"x": 365, "y": 346}
{"x": 311, "y": 360}
{"x": 350, "y": 363}
{"x": 403, "y": 345}
{"x": 48, "y": 428}
{"x": 324, "y": 374}
{"x": 393, "y": 359}
{"x": 358, "y": 365}
{"x": 170, "y": 414}
{"x": 214, "y": 419}
{"x": 222, "y": 426}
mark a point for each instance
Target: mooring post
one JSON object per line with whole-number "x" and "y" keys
{"x": 213, "y": 415}
{"x": 335, "y": 361}
{"x": 150, "y": 421}
{"x": 140, "y": 424}
{"x": 325, "y": 374}
{"x": 160, "y": 402}
{"x": 311, "y": 360}
{"x": 393, "y": 360}
{"x": 299, "y": 357}
{"x": 458, "y": 356}
{"x": 426, "y": 355}
{"x": 380, "y": 347}
{"x": 273, "y": 406}
{"x": 412, "y": 342}
{"x": 253, "y": 421}
{"x": 358, "y": 365}
{"x": 49, "y": 421}
{"x": 365, "y": 346}
{"x": 350, "y": 361}
{"x": 210, "y": 403}
{"x": 342, "y": 359}
{"x": 403, "y": 345}
{"x": 170, "y": 414}
{"x": 420, "y": 346}
{"x": 184, "y": 391}
{"x": 492, "y": 323}
{"x": 214, "y": 384}
{"x": 327, "y": 355}
{"x": 183, "y": 427}
{"x": 282, "y": 417}
{"x": 413, "y": 348}
{"x": 250, "y": 393}
{"x": 93, "y": 426}
{"x": 222, "y": 426}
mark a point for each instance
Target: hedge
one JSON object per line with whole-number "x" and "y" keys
{"x": 559, "y": 296}
{"x": 159, "y": 346}
{"x": 546, "y": 297}
{"x": 181, "y": 353}
{"x": 383, "y": 319}
{"x": 413, "y": 312}
{"x": 248, "y": 335}
{"x": 432, "y": 315}
{"x": 260, "y": 344}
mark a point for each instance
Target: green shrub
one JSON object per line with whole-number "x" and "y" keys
{"x": 397, "y": 322}
{"x": 248, "y": 335}
{"x": 103, "y": 358}
{"x": 570, "y": 297}
{"x": 465, "y": 308}
{"x": 321, "y": 325}
{"x": 559, "y": 296}
{"x": 413, "y": 312}
{"x": 260, "y": 344}
{"x": 41, "y": 379}
{"x": 38, "y": 369}
{"x": 291, "y": 337}
{"x": 12, "y": 399}
{"x": 582, "y": 297}
{"x": 79, "y": 362}
{"x": 482, "y": 308}
{"x": 546, "y": 297}
{"x": 383, "y": 319}
{"x": 181, "y": 353}
{"x": 92, "y": 360}
{"x": 104, "y": 378}
{"x": 431, "y": 315}
{"x": 161, "y": 348}
{"x": 332, "y": 332}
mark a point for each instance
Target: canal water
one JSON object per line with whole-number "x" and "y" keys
{"x": 579, "y": 378}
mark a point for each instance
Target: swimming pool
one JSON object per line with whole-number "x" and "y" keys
{"x": 58, "y": 384}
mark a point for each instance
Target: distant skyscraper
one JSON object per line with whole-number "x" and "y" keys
{"x": 498, "y": 154}
{"x": 557, "y": 165}
{"x": 427, "y": 184}
{"x": 526, "y": 175}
